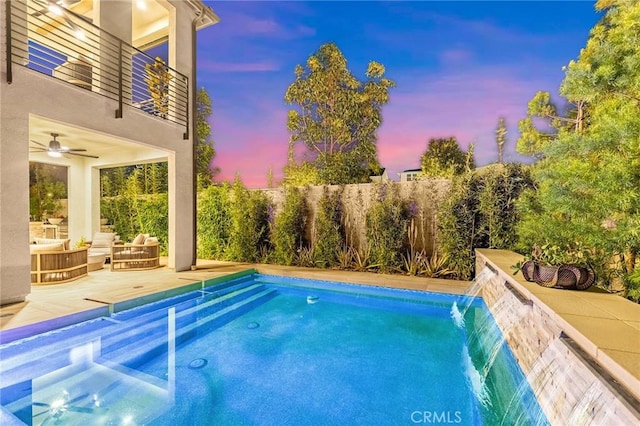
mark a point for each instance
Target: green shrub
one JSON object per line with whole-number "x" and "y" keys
{"x": 214, "y": 221}
{"x": 249, "y": 224}
{"x": 460, "y": 225}
{"x": 329, "y": 235}
{"x": 502, "y": 185}
{"x": 137, "y": 210}
{"x": 153, "y": 214}
{"x": 480, "y": 212}
{"x": 287, "y": 235}
{"x": 633, "y": 285}
{"x": 386, "y": 229}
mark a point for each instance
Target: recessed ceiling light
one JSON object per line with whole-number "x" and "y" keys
{"x": 54, "y": 8}
{"x": 142, "y": 5}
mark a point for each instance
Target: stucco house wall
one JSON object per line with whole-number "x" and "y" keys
{"x": 33, "y": 97}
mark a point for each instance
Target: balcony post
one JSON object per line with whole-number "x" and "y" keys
{"x": 7, "y": 15}
{"x": 119, "y": 110}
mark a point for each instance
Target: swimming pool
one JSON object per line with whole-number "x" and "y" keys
{"x": 267, "y": 350}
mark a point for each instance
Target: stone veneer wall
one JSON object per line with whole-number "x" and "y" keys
{"x": 569, "y": 390}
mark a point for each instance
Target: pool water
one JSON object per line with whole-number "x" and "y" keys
{"x": 266, "y": 350}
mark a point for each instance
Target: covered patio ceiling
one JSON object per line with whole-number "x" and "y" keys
{"x": 111, "y": 151}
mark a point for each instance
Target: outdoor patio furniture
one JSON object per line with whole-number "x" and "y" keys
{"x": 52, "y": 262}
{"x": 142, "y": 253}
{"x": 101, "y": 243}
{"x": 95, "y": 262}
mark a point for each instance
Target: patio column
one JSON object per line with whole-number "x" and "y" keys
{"x": 181, "y": 190}
{"x": 15, "y": 262}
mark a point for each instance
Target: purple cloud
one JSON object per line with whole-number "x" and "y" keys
{"x": 259, "y": 66}
{"x": 245, "y": 25}
{"x": 465, "y": 104}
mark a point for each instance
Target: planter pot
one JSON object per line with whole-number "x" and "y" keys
{"x": 560, "y": 276}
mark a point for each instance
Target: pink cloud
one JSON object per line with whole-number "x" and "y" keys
{"x": 251, "y": 148}
{"x": 455, "y": 56}
{"x": 465, "y": 104}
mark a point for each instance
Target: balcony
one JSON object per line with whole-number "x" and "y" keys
{"x": 67, "y": 46}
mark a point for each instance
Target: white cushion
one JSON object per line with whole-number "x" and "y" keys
{"x": 103, "y": 239}
{"x": 42, "y": 248}
{"x": 139, "y": 239}
{"x": 150, "y": 241}
{"x": 99, "y": 250}
{"x": 67, "y": 242}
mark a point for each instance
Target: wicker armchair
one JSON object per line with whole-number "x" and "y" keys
{"x": 51, "y": 263}
{"x": 142, "y": 253}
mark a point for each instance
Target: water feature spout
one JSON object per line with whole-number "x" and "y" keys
{"x": 487, "y": 341}
{"x": 475, "y": 289}
{"x": 456, "y": 315}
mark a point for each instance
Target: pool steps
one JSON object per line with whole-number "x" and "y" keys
{"x": 190, "y": 322}
{"x": 196, "y": 312}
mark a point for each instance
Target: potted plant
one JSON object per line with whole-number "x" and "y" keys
{"x": 82, "y": 242}
{"x": 158, "y": 78}
{"x": 56, "y": 220}
{"x": 552, "y": 266}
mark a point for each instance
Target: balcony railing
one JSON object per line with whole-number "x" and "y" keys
{"x": 57, "y": 42}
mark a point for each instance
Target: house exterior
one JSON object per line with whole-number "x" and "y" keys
{"x": 409, "y": 175}
{"x": 382, "y": 177}
{"x": 77, "y": 69}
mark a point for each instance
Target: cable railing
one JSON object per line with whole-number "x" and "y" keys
{"x": 58, "y": 42}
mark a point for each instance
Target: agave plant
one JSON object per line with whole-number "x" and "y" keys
{"x": 306, "y": 257}
{"x": 345, "y": 257}
{"x": 437, "y": 266}
{"x": 414, "y": 262}
{"x": 362, "y": 258}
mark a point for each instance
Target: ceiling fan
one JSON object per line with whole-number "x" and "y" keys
{"x": 56, "y": 150}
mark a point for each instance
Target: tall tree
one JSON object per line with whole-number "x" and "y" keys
{"x": 336, "y": 117}
{"x": 501, "y": 138}
{"x": 204, "y": 146}
{"x": 533, "y": 140}
{"x": 445, "y": 158}
{"x": 588, "y": 199}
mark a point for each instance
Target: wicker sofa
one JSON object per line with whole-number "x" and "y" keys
{"x": 101, "y": 243}
{"x": 142, "y": 253}
{"x": 54, "y": 262}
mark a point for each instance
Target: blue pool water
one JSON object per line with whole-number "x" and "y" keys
{"x": 266, "y": 350}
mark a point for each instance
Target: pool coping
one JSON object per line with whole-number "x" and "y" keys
{"x": 105, "y": 292}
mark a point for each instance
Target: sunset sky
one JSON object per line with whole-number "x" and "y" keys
{"x": 458, "y": 66}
